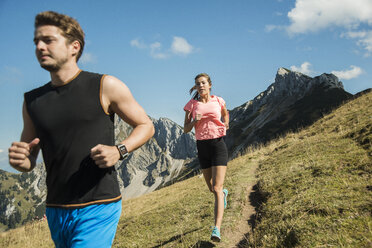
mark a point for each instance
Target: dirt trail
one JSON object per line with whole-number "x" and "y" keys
{"x": 239, "y": 235}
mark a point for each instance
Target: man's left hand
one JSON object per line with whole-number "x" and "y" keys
{"x": 105, "y": 156}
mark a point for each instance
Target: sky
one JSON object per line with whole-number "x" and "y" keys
{"x": 157, "y": 47}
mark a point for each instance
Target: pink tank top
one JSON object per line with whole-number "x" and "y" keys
{"x": 210, "y": 126}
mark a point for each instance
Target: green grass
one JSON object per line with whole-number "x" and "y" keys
{"x": 181, "y": 215}
{"x": 316, "y": 186}
{"x": 318, "y": 183}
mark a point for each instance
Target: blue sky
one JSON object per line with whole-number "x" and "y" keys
{"x": 157, "y": 48}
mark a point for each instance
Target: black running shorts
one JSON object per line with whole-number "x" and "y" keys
{"x": 212, "y": 152}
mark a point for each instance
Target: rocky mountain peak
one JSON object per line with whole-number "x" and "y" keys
{"x": 288, "y": 83}
{"x": 284, "y": 105}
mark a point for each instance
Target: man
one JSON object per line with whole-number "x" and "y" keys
{"x": 71, "y": 119}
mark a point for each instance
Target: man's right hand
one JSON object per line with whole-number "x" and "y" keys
{"x": 19, "y": 154}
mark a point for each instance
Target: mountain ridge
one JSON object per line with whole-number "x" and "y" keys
{"x": 281, "y": 107}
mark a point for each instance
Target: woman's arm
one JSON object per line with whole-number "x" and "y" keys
{"x": 189, "y": 123}
{"x": 225, "y": 116}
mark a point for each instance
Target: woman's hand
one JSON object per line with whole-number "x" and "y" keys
{"x": 198, "y": 117}
{"x": 189, "y": 122}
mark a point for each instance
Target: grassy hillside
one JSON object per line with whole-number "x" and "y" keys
{"x": 16, "y": 190}
{"x": 316, "y": 186}
{"x": 318, "y": 183}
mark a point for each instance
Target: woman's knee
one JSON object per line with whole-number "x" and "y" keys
{"x": 217, "y": 189}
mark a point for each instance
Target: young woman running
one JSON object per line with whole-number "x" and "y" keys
{"x": 204, "y": 112}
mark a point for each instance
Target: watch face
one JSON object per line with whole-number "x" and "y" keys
{"x": 123, "y": 151}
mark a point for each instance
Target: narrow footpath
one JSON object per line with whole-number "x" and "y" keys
{"x": 239, "y": 235}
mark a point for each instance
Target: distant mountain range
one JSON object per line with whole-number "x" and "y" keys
{"x": 168, "y": 156}
{"x": 294, "y": 100}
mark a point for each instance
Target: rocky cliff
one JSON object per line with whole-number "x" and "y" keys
{"x": 169, "y": 155}
{"x": 293, "y": 101}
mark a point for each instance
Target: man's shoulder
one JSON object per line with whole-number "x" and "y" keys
{"x": 90, "y": 75}
{"x": 38, "y": 89}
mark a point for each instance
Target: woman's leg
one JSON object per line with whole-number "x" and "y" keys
{"x": 218, "y": 177}
{"x": 207, "y": 173}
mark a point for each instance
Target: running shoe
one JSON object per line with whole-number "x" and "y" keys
{"x": 225, "y": 193}
{"x": 216, "y": 236}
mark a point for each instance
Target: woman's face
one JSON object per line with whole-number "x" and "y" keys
{"x": 203, "y": 86}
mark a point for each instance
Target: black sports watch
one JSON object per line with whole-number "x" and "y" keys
{"x": 122, "y": 151}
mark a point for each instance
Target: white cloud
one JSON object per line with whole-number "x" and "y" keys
{"x": 11, "y": 75}
{"x": 354, "y": 34}
{"x": 155, "y": 51}
{"x": 354, "y": 72}
{"x": 137, "y": 43}
{"x": 1, "y": 150}
{"x": 304, "y": 68}
{"x": 269, "y": 28}
{"x": 314, "y": 15}
{"x": 364, "y": 39}
{"x": 278, "y": 13}
{"x": 87, "y": 58}
{"x": 181, "y": 46}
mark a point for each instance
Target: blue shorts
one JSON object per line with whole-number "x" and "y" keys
{"x": 91, "y": 226}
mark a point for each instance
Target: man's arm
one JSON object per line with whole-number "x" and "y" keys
{"x": 117, "y": 98}
{"x": 23, "y": 154}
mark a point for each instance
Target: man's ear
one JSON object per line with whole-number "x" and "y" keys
{"x": 75, "y": 46}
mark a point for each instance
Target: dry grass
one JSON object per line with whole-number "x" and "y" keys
{"x": 35, "y": 234}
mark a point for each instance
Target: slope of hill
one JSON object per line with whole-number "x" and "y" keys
{"x": 315, "y": 186}
{"x": 21, "y": 197}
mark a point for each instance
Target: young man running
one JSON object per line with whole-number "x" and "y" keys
{"x": 71, "y": 119}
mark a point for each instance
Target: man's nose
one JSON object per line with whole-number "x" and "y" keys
{"x": 40, "y": 45}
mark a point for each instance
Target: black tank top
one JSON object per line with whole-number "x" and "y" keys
{"x": 70, "y": 120}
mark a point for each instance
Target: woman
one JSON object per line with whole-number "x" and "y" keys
{"x": 204, "y": 112}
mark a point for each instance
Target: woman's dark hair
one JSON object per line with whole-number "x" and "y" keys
{"x": 196, "y": 94}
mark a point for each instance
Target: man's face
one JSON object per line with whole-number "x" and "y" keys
{"x": 52, "y": 49}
